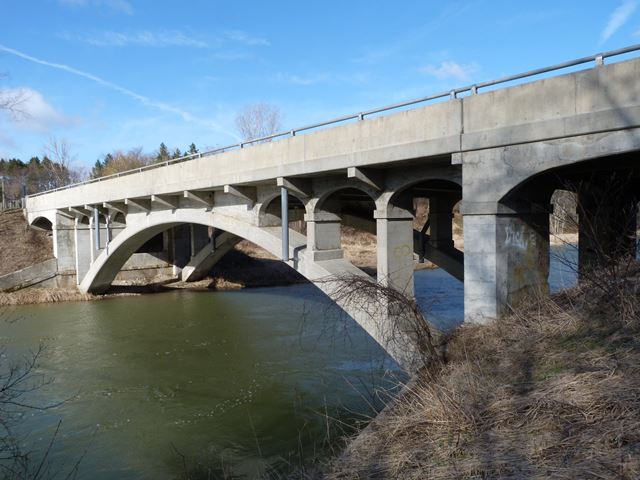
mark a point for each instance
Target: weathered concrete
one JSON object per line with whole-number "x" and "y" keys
{"x": 210, "y": 254}
{"x": 30, "y": 276}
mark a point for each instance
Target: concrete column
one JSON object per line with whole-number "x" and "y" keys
{"x": 395, "y": 249}
{"x": 64, "y": 243}
{"x": 506, "y": 258}
{"x": 92, "y": 250}
{"x": 323, "y": 236}
{"x": 441, "y": 217}
{"x": 181, "y": 242}
{"x": 82, "y": 250}
{"x": 199, "y": 238}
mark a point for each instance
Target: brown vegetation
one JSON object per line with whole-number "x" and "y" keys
{"x": 547, "y": 392}
{"x": 21, "y": 246}
{"x": 43, "y": 295}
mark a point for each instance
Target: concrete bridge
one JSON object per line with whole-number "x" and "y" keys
{"x": 503, "y": 152}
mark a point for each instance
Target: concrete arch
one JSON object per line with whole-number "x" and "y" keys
{"x": 106, "y": 266}
{"x": 320, "y": 200}
{"x": 400, "y": 198}
{"x": 539, "y": 186}
{"x": 42, "y": 223}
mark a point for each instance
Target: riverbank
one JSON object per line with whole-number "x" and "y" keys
{"x": 547, "y": 392}
{"x": 21, "y": 246}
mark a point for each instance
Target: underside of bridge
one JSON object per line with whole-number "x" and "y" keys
{"x": 606, "y": 192}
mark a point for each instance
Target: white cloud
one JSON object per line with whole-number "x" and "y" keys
{"x": 121, "y": 6}
{"x": 358, "y": 78}
{"x": 143, "y": 38}
{"x": 33, "y": 112}
{"x": 303, "y": 80}
{"x": 618, "y": 18}
{"x": 244, "y": 38}
{"x": 144, "y": 100}
{"x": 451, "y": 70}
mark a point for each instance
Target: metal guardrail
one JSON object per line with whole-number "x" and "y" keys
{"x": 450, "y": 94}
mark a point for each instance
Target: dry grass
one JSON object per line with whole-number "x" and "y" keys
{"x": 43, "y": 295}
{"x": 548, "y": 392}
{"x": 21, "y": 246}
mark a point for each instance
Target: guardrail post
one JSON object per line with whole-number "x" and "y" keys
{"x": 284, "y": 215}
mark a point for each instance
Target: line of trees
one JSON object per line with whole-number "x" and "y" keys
{"x": 121, "y": 161}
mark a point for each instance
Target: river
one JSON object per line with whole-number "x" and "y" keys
{"x": 248, "y": 383}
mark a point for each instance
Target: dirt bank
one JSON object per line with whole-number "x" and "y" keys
{"x": 21, "y": 246}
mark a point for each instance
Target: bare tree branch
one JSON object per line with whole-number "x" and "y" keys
{"x": 258, "y": 120}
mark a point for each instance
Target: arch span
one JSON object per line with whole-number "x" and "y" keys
{"x": 106, "y": 266}
{"x": 108, "y": 263}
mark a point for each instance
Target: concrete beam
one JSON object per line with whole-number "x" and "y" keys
{"x": 170, "y": 201}
{"x": 300, "y": 187}
{"x": 248, "y": 193}
{"x": 205, "y": 198}
{"x": 79, "y": 212}
{"x": 140, "y": 203}
{"x": 368, "y": 176}
{"x": 120, "y": 207}
{"x": 100, "y": 209}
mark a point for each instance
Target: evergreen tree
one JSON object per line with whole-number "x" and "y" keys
{"x": 192, "y": 149}
{"x": 96, "y": 171}
{"x": 163, "y": 153}
{"x": 177, "y": 153}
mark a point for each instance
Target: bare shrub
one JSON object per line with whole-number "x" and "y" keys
{"x": 607, "y": 225}
{"x": 402, "y": 327}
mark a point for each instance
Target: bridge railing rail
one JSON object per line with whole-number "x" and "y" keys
{"x": 449, "y": 94}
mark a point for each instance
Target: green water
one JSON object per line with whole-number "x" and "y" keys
{"x": 253, "y": 382}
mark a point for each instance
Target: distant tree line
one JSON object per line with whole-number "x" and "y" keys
{"x": 121, "y": 161}
{"x": 53, "y": 170}
{"x": 33, "y": 176}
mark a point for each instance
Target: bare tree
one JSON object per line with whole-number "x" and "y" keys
{"x": 58, "y": 152}
{"x": 258, "y": 120}
{"x": 12, "y": 99}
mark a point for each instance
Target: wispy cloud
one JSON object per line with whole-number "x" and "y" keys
{"x": 145, "y": 38}
{"x": 245, "y": 38}
{"x": 618, "y": 18}
{"x": 144, "y": 100}
{"x": 451, "y": 70}
{"x": 232, "y": 41}
{"x": 121, "y": 6}
{"x": 35, "y": 113}
{"x": 321, "y": 77}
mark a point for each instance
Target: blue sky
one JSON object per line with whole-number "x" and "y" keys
{"x": 119, "y": 74}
